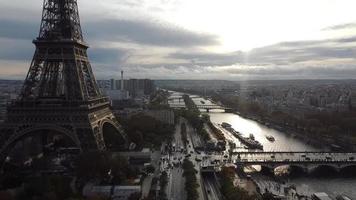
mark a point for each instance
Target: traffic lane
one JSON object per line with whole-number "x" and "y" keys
{"x": 178, "y": 189}
{"x": 211, "y": 190}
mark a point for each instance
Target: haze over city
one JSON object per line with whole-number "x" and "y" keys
{"x": 184, "y": 39}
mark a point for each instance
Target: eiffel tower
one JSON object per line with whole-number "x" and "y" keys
{"x": 60, "y": 93}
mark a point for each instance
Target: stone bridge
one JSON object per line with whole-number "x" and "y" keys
{"x": 204, "y": 107}
{"x": 307, "y": 161}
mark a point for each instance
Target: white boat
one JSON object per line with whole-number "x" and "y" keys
{"x": 270, "y": 138}
{"x": 226, "y": 125}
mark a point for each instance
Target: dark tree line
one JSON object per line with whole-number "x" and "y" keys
{"x": 191, "y": 183}
{"x": 146, "y": 131}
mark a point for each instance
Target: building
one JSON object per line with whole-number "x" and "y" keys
{"x": 140, "y": 87}
{"x": 112, "y": 192}
{"x": 4, "y": 100}
{"x": 125, "y": 89}
{"x": 3, "y": 104}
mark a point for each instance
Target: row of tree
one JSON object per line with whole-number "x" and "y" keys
{"x": 145, "y": 131}
{"x": 163, "y": 182}
{"x": 105, "y": 167}
{"x": 191, "y": 183}
{"x": 183, "y": 130}
{"x": 193, "y": 115}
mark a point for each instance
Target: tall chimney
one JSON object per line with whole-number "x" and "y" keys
{"x": 122, "y": 80}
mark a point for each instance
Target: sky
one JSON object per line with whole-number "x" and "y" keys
{"x": 197, "y": 39}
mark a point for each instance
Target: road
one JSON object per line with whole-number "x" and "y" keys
{"x": 177, "y": 182}
{"x": 172, "y": 164}
{"x": 194, "y": 155}
{"x": 212, "y": 188}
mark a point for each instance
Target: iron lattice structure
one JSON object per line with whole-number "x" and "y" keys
{"x": 60, "y": 93}
{"x": 60, "y": 67}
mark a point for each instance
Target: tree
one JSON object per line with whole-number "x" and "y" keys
{"x": 150, "y": 169}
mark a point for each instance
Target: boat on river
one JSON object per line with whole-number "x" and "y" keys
{"x": 226, "y": 125}
{"x": 270, "y": 138}
{"x": 247, "y": 141}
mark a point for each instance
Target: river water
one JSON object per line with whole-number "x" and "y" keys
{"x": 283, "y": 142}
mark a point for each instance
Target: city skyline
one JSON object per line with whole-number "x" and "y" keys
{"x": 184, "y": 40}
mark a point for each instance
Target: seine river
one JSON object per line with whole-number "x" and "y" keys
{"x": 283, "y": 142}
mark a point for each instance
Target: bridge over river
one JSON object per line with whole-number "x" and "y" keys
{"x": 204, "y": 107}
{"x": 304, "y": 160}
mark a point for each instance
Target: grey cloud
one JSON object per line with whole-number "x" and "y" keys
{"x": 285, "y": 53}
{"x": 206, "y": 58}
{"x": 347, "y": 40}
{"x": 140, "y": 32}
{"x": 16, "y": 49}
{"x": 147, "y": 33}
{"x": 295, "y": 72}
{"x": 341, "y": 26}
{"x": 109, "y": 55}
{"x": 18, "y": 29}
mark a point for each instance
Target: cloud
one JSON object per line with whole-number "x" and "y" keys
{"x": 17, "y": 29}
{"x": 15, "y": 49}
{"x": 109, "y": 55}
{"x": 340, "y": 27}
{"x": 285, "y": 53}
{"x": 147, "y": 33}
{"x": 144, "y": 46}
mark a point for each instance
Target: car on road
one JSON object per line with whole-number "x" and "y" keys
{"x": 352, "y": 158}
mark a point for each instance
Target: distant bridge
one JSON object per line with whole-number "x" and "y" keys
{"x": 181, "y": 98}
{"x": 204, "y": 107}
{"x": 214, "y": 107}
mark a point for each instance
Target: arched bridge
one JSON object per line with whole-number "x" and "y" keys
{"x": 304, "y": 160}
{"x": 214, "y": 107}
{"x": 179, "y": 98}
{"x": 204, "y": 107}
